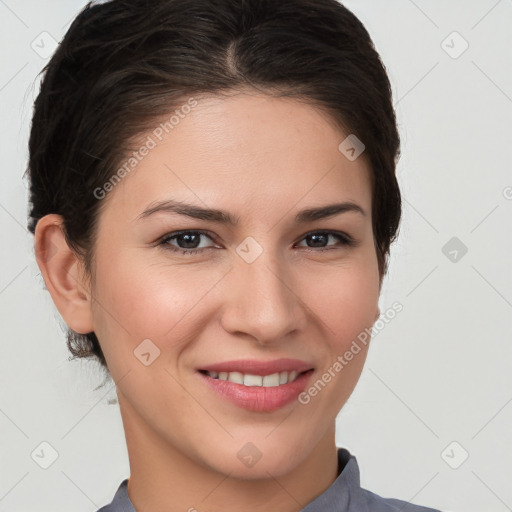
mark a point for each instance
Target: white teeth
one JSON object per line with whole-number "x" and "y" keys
{"x": 253, "y": 380}
{"x": 271, "y": 380}
{"x": 248, "y": 379}
{"x": 236, "y": 377}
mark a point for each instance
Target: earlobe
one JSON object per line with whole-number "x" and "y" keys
{"x": 63, "y": 274}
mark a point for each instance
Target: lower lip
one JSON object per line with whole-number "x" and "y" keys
{"x": 259, "y": 398}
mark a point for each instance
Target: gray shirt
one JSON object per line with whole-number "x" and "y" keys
{"x": 344, "y": 495}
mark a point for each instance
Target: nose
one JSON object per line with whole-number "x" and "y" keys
{"x": 262, "y": 301}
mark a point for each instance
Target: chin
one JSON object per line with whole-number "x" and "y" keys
{"x": 258, "y": 459}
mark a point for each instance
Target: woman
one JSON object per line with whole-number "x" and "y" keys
{"x": 213, "y": 198}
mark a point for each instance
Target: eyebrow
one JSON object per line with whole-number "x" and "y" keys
{"x": 224, "y": 217}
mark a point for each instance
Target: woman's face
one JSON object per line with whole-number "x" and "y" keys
{"x": 267, "y": 288}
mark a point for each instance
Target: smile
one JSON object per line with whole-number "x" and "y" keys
{"x": 247, "y": 379}
{"x": 260, "y": 386}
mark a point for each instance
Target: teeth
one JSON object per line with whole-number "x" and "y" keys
{"x": 271, "y": 380}
{"x": 248, "y": 379}
{"x": 236, "y": 377}
{"x": 253, "y": 380}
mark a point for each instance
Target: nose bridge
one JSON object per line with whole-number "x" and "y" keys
{"x": 264, "y": 304}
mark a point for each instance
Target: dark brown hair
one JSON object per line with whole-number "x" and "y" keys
{"x": 123, "y": 64}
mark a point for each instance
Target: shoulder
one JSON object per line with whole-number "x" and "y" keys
{"x": 347, "y": 494}
{"x": 106, "y": 508}
{"x": 376, "y": 503}
{"x": 111, "y": 507}
{"x": 121, "y": 501}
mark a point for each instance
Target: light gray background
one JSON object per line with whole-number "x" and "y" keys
{"x": 439, "y": 372}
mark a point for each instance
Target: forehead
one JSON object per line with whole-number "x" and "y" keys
{"x": 253, "y": 152}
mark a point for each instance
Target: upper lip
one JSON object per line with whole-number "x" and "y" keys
{"x": 256, "y": 367}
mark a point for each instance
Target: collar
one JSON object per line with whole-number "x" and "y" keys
{"x": 339, "y": 495}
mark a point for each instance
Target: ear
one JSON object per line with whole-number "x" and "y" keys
{"x": 377, "y": 315}
{"x": 63, "y": 274}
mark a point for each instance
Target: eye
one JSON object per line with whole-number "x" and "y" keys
{"x": 189, "y": 241}
{"x": 318, "y": 238}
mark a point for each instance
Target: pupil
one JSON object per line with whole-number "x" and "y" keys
{"x": 187, "y": 238}
{"x": 316, "y": 237}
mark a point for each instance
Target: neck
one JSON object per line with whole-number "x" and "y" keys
{"x": 162, "y": 477}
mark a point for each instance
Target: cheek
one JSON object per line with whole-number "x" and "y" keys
{"x": 137, "y": 300}
{"x": 347, "y": 310}
{"x": 348, "y": 303}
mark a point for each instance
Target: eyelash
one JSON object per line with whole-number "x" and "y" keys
{"x": 345, "y": 240}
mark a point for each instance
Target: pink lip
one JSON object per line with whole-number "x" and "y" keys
{"x": 255, "y": 367}
{"x": 259, "y": 398}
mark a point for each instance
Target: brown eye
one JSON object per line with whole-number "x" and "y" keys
{"x": 318, "y": 239}
{"x": 188, "y": 241}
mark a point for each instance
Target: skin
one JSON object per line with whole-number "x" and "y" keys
{"x": 263, "y": 159}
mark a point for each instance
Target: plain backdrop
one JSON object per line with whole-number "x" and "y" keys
{"x": 430, "y": 420}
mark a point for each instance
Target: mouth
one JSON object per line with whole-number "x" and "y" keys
{"x": 259, "y": 386}
{"x": 251, "y": 380}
